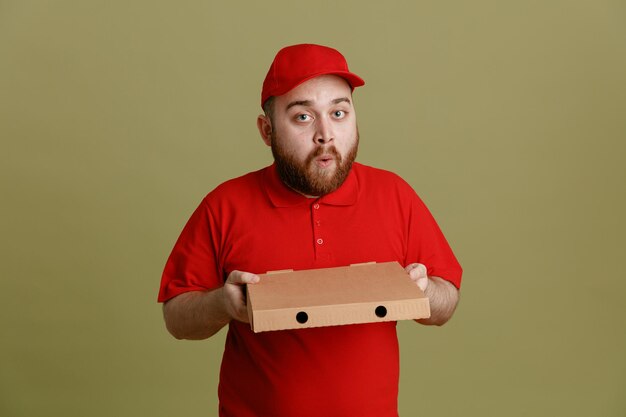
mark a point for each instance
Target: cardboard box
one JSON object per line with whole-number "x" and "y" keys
{"x": 363, "y": 293}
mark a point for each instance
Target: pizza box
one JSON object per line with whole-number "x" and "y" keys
{"x": 362, "y": 293}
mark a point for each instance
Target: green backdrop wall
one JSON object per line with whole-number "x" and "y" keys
{"x": 117, "y": 117}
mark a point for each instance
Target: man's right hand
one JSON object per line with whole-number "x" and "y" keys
{"x": 197, "y": 315}
{"x": 235, "y": 296}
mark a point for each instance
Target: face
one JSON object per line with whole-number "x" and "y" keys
{"x": 314, "y": 135}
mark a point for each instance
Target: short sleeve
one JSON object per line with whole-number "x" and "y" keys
{"x": 193, "y": 264}
{"x": 427, "y": 245}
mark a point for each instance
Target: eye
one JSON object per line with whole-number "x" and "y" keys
{"x": 339, "y": 114}
{"x": 303, "y": 117}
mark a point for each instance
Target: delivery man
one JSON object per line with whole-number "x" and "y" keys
{"x": 314, "y": 207}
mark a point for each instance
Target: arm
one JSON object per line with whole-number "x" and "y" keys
{"x": 442, "y": 295}
{"x": 197, "y": 315}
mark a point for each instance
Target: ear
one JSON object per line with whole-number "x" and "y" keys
{"x": 264, "y": 125}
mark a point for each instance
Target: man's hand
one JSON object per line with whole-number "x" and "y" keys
{"x": 442, "y": 295}
{"x": 235, "y": 294}
{"x": 200, "y": 314}
{"x": 417, "y": 272}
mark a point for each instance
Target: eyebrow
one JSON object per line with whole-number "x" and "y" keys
{"x": 299, "y": 103}
{"x": 340, "y": 100}
{"x": 308, "y": 103}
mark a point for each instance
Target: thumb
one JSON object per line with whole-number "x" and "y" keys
{"x": 417, "y": 271}
{"x": 422, "y": 283}
{"x": 242, "y": 278}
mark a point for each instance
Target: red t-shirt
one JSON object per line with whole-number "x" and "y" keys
{"x": 255, "y": 223}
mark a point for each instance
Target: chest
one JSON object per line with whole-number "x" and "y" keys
{"x": 314, "y": 235}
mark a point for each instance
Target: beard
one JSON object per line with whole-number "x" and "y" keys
{"x": 307, "y": 177}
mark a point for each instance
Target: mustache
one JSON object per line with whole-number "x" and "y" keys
{"x": 320, "y": 150}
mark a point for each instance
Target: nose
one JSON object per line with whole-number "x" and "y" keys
{"x": 323, "y": 133}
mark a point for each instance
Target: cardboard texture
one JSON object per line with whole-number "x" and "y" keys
{"x": 363, "y": 293}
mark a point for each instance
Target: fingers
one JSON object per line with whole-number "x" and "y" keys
{"x": 239, "y": 312}
{"x": 418, "y": 273}
{"x": 234, "y": 294}
{"x": 235, "y": 302}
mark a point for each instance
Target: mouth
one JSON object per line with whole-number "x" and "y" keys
{"x": 324, "y": 161}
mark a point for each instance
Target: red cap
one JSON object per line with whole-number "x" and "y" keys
{"x": 296, "y": 64}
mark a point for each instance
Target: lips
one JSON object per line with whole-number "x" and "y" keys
{"x": 324, "y": 157}
{"x": 324, "y": 160}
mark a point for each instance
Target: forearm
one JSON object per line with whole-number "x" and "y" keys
{"x": 443, "y": 298}
{"x": 196, "y": 315}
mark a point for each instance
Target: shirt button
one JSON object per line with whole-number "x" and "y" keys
{"x": 320, "y": 241}
{"x": 316, "y": 206}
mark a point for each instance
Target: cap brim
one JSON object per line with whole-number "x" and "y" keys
{"x": 352, "y": 79}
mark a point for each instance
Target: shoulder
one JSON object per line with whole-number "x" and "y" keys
{"x": 237, "y": 189}
{"x": 376, "y": 179}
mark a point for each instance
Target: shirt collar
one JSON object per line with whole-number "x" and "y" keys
{"x": 282, "y": 196}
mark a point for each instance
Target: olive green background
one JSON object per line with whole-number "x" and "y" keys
{"x": 508, "y": 118}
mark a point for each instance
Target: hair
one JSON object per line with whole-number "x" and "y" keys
{"x": 268, "y": 108}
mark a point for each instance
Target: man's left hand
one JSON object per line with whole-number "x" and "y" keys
{"x": 417, "y": 272}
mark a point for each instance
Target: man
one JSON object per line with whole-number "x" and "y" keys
{"x": 313, "y": 208}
